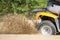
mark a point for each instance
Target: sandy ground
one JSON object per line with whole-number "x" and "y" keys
{"x": 28, "y": 37}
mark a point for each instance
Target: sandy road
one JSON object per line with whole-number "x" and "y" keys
{"x": 28, "y": 37}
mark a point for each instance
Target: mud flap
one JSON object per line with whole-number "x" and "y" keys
{"x": 57, "y": 24}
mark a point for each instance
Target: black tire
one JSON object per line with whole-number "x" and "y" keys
{"x": 48, "y": 27}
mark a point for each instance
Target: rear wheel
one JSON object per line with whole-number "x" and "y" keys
{"x": 47, "y": 28}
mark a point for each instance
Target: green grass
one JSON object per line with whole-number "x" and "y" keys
{"x": 42, "y": 4}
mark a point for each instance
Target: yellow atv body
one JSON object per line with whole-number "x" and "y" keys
{"x": 39, "y": 14}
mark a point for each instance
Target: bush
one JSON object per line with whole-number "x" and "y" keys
{"x": 13, "y": 6}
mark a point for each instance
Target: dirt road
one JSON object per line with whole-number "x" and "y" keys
{"x": 25, "y": 36}
{"x": 28, "y": 37}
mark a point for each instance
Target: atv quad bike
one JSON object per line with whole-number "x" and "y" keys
{"x": 50, "y": 24}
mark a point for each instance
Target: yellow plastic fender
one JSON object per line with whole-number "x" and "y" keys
{"x": 45, "y": 14}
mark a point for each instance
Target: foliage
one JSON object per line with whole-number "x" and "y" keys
{"x": 18, "y": 6}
